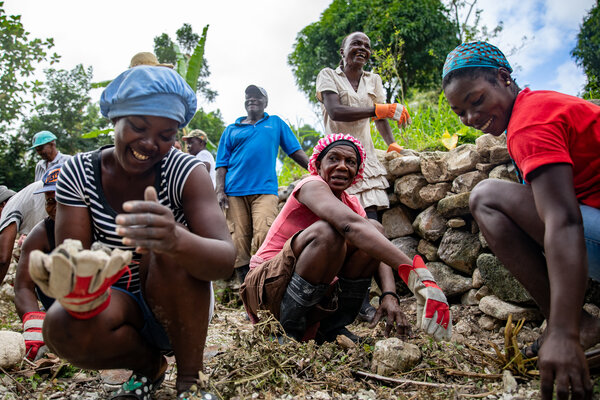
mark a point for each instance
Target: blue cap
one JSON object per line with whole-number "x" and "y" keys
{"x": 149, "y": 90}
{"x": 41, "y": 138}
{"x": 50, "y": 178}
{"x": 475, "y": 54}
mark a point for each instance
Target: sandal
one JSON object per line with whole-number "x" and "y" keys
{"x": 138, "y": 387}
{"x": 194, "y": 394}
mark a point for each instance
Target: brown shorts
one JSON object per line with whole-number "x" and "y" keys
{"x": 266, "y": 284}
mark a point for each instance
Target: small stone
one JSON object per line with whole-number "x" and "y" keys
{"x": 407, "y": 244}
{"x": 477, "y": 279}
{"x": 483, "y": 291}
{"x": 462, "y": 327}
{"x": 509, "y": 382}
{"x": 487, "y": 323}
{"x": 12, "y": 349}
{"x": 493, "y": 306}
{"x": 434, "y": 192}
{"x": 484, "y": 243}
{"x": 454, "y": 206}
{"x": 450, "y": 282}
{"x": 470, "y": 298}
{"x": 459, "y": 249}
{"x": 393, "y": 355}
{"x": 456, "y": 223}
{"x": 499, "y": 155}
{"x": 401, "y": 166}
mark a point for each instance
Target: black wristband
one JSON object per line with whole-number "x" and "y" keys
{"x": 389, "y": 294}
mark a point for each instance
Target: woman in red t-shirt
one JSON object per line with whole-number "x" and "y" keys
{"x": 537, "y": 230}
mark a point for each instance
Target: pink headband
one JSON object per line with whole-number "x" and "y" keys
{"x": 324, "y": 142}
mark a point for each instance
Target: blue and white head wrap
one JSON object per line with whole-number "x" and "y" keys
{"x": 475, "y": 54}
{"x": 149, "y": 90}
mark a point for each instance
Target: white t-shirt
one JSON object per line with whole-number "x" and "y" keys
{"x": 206, "y": 157}
{"x": 25, "y": 209}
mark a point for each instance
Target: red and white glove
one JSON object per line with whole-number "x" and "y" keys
{"x": 433, "y": 313}
{"x": 79, "y": 279}
{"x": 32, "y": 332}
{"x": 394, "y": 111}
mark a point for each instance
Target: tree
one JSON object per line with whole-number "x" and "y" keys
{"x": 467, "y": 29}
{"x": 414, "y": 36}
{"x": 64, "y": 108}
{"x": 190, "y": 63}
{"x": 587, "y": 51}
{"x": 19, "y": 56}
{"x": 211, "y": 123}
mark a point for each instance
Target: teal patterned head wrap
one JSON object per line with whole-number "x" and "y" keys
{"x": 475, "y": 54}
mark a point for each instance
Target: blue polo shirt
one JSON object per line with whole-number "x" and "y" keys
{"x": 250, "y": 151}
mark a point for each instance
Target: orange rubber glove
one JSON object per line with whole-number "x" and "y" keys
{"x": 395, "y": 147}
{"x": 394, "y": 111}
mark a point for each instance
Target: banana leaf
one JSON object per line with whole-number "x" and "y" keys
{"x": 196, "y": 61}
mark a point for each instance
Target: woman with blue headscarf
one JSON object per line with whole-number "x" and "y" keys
{"x": 144, "y": 196}
{"x": 547, "y": 231}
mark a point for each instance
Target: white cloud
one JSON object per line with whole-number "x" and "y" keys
{"x": 569, "y": 79}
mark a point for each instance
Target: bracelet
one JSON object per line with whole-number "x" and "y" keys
{"x": 389, "y": 294}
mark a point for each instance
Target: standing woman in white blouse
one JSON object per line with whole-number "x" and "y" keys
{"x": 350, "y": 97}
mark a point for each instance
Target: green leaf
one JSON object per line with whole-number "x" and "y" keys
{"x": 96, "y": 133}
{"x": 195, "y": 62}
{"x": 102, "y": 84}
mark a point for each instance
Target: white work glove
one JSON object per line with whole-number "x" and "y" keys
{"x": 79, "y": 279}
{"x": 433, "y": 312}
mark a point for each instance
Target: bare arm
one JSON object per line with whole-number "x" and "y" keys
{"x": 7, "y": 242}
{"x": 205, "y": 251}
{"x": 66, "y": 229}
{"x": 300, "y": 157}
{"x": 357, "y": 230}
{"x": 339, "y": 112}
{"x": 25, "y": 297}
{"x": 383, "y": 126}
{"x": 561, "y": 357}
{"x": 220, "y": 187}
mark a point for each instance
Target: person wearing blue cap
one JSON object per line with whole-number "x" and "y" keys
{"x": 547, "y": 230}
{"x": 44, "y": 143}
{"x": 246, "y": 179}
{"x": 27, "y": 294}
{"x": 143, "y": 195}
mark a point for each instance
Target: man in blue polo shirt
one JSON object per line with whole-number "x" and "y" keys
{"x": 246, "y": 179}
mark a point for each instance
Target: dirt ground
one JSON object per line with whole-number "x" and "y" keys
{"x": 244, "y": 362}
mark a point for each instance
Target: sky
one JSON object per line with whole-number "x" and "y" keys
{"x": 248, "y": 42}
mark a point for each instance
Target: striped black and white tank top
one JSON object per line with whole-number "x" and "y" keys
{"x": 80, "y": 185}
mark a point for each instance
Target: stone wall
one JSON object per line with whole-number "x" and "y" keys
{"x": 429, "y": 215}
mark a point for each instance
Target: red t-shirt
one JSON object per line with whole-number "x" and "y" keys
{"x": 294, "y": 217}
{"x": 550, "y": 128}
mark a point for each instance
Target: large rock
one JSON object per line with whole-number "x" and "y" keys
{"x": 430, "y": 224}
{"x": 494, "y": 307}
{"x": 393, "y": 355}
{"x": 455, "y": 205}
{"x": 462, "y": 159}
{"x": 428, "y": 250}
{"x": 484, "y": 143}
{"x": 407, "y": 244}
{"x": 450, "y": 282}
{"x": 396, "y": 223}
{"x": 401, "y": 166}
{"x": 499, "y": 155}
{"x": 502, "y": 283}
{"x": 408, "y": 188}
{"x": 505, "y": 172}
{"x": 434, "y": 192}
{"x": 434, "y": 167}
{"x": 467, "y": 181}
{"x": 459, "y": 249}
{"x": 12, "y": 349}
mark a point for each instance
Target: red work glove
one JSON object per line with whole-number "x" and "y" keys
{"x": 79, "y": 279}
{"x": 394, "y": 111}
{"x": 395, "y": 147}
{"x": 433, "y": 312}
{"x": 32, "y": 332}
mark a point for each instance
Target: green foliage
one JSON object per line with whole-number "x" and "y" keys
{"x": 64, "y": 108}
{"x": 17, "y": 63}
{"x": 211, "y": 123}
{"x": 587, "y": 51}
{"x": 290, "y": 171}
{"x": 189, "y": 63}
{"x": 429, "y": 122}
{"x": 414, "y": 36}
